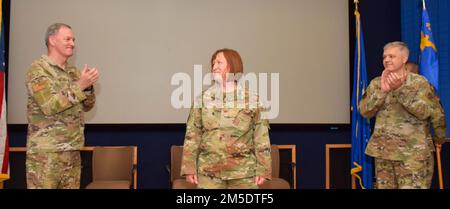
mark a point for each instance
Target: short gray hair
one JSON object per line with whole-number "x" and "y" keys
{"x": 53, "y": 29}
{"x": 403, "y": 47}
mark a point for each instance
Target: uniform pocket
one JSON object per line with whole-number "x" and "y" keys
{"x": 242, "y": 120}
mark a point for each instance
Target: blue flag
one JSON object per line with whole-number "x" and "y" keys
{"x": 429, "y": 65}
{"x": 361, "y": 164}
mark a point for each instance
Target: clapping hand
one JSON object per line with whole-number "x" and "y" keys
{"x": 89, "y": 76}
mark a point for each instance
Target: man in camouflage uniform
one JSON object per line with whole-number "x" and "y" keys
{"x": 57, "y": 97}
{"x": 412, "y": 67}
{"x": 403, "y": 104}
{"x": 226, "y": 145}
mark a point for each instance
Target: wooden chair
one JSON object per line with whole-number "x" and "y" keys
{"x": 276, "y": 182}
{"x": 113, "y": 168}
{"x": 179, "y": 182}
{"x": 176, "y": 180}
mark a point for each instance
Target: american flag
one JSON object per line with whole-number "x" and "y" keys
{"x": 4, "y": 148}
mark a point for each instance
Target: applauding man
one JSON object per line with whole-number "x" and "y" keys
{"x": 403, "y": 103}
{"x": 57, "y": 97}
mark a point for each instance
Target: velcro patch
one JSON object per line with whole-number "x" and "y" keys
{"x": 38, "y": 86}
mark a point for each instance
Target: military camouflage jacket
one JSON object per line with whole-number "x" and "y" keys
{"x": 55, "y": 107}
{"x": 227, "y": 143}
{"x": 402, "y": 119}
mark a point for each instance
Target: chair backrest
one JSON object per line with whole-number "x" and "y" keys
{"x": 275, "y": 162}
{"x": 176, "y": 153}
{"x": 112, "y": 163}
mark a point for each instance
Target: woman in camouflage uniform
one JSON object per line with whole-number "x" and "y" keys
{"x": 227, "y": 141}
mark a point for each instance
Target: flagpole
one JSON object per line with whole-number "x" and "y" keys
{"x": 357, "y": 169}
{"x": 358, "y": 28}
{"x": 356, "y": 2}
{"x": 438, "y": 158}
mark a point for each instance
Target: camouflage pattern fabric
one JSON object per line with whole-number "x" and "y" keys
{"x": 411, "y": 174}
{"x": 402, "y": 119}
{"x": 225, "y": 140}
{"x": 55, "y": 108}
{"x": 59, "y": 170}
{"x": 206, "y": 182}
